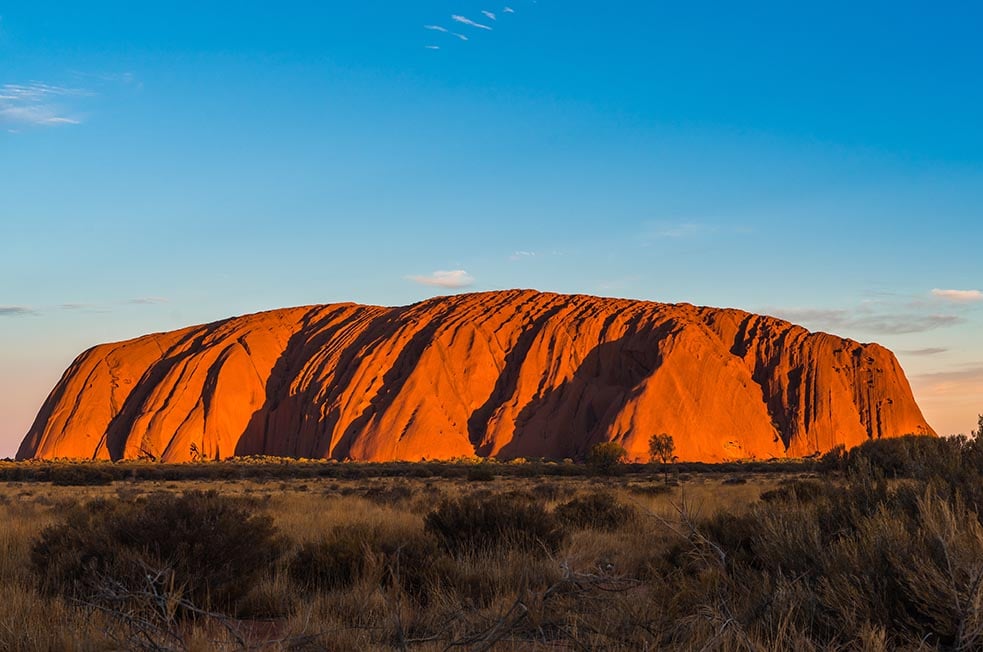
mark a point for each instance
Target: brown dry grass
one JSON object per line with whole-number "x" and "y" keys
{"x": 474, "y": 594}
{"x": 855, "y": 563}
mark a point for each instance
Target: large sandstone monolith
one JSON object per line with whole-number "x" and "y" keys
{"x": 509, "y": 374}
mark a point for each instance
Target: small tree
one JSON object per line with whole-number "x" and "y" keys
{"x": 979, "y": 429}
{"x": 663, "y": 448}
{"x": 606, "y": 457}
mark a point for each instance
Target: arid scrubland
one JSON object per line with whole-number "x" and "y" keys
{"x": 878, "y": 549}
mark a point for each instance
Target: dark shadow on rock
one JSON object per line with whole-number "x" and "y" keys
{"x": 577, "y": 414}
{"x": 276, "y": 428}
{"x": 119, "y": 428}
{"x": 507, "y": 381}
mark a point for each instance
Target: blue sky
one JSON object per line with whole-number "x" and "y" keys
{"x": 163, "y": 164}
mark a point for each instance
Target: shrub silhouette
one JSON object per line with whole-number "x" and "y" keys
{"x": 80, "y": 475}
{"x": 354, "y": 552}
{"x": 598, "y": 510}
{"x": 495, "y": 522}
{"x": 211, "y": 548}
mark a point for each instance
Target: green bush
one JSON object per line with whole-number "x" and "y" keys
{"x": 473, "y": 523}
{"x": 211, "y": 548}
{"x": 606, "y": 458}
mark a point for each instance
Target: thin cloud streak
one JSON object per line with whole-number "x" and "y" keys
{"x": 467, "y": 21}
{"x": 16, "y": 311}
{"x": 435, "y": 28}
{"x": 835, "y": 320}
{"x": 932, "y": 350}
{"x": 457, "y": 278}
{"x": 958, "y": 296}
{"x": 145, "y": 301}
{"x": 970, "y": 374}
{"x": 678, "y": 230}
{"x": 36, "y": 104}
{"x": 489, "y": 15}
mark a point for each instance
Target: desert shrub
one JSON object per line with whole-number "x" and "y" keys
{"x": 801, "y": 490}
{"x": 210, "y": 547}
{"x": 482, "y": 472}
{"x": 834, "y": 563}
{"x": 334, "y": 562}
{"x": 551, "y": 491}
{"x": 913, "y": 456}
{"x": 599, "y": 510}
{"x": 390, "y": 494}
{"x": 833, "y": 459}
{"x": 360, "y": 551}
{"x": 80, "y": 475}
{"x": 475, "y": 522}
{"x": 649, "y": 489}
{"x": 607, "y": 457}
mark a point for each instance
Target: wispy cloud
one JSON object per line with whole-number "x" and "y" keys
{"x": 488, "y": 14}
{"x": 467, "y": 21}
{"x": 432, "y": 47}
{"x": 86, "y": 307}
{"x": 972, "y": 373}
{"x": 145, "y": 301}
{"x": 676, "y": 230}
{"x": 508, "y": 10}
{"x": 125, "y": 78}
{"x": 435, "y": 28}
{"x": 956, "y": 387}
{"x": 16, "y": 311}
{"x": 37, "y": 103}
{"x": 617, "y": 283}
{"x": 519, "y": 255}
{"x": 457, "y": 278}
{"x": 958, "y": 296}
{"x": 460, "y": 36}
{"x": 887, "y": 323}
{"x": 932, "y": 350}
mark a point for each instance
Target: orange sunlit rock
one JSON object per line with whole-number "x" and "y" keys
{"x": 512, "y": 374}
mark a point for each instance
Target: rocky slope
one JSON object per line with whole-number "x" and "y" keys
{"x": 509, "y": 374}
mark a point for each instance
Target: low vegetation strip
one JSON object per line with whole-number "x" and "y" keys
{"x": 877, "y": 548}
{"x": 89, "y": 472}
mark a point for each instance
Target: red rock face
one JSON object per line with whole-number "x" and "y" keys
{"x": 507, "y": 374}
